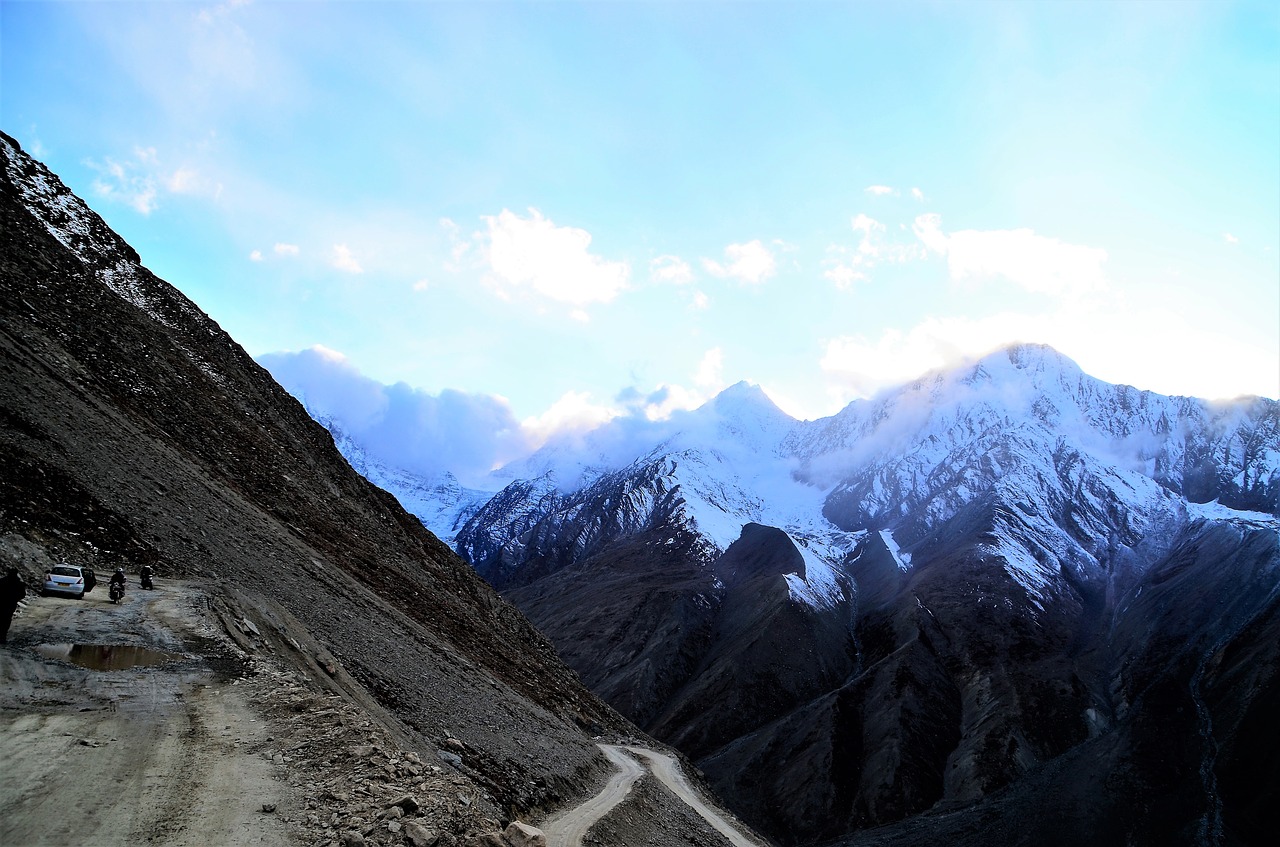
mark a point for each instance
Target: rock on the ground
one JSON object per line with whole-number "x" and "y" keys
{"x": 417, "y": 835}
{"x": 522, "y": 835}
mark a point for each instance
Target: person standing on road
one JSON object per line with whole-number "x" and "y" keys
{"x": 12, "y": 589}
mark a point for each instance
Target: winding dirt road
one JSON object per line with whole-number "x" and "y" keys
{"x": 569, "y": 828}
{"x": 669, "y": 773}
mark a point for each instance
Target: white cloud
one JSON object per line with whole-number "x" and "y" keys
{"x": 843, "y": 274}
{"x": 1034, "y": 262}
{"x": 573, "y": 413}
{"x": 255, "y": 256}
{"x": 139, "y": 180}
{"x": 461, "y": 246}
{"x": 341, "y": 257}
{"x": 880, "y": 190}
{"x": 422, "y": 285}
{"x": 699, "y": 301}
{"x": 1229, "y": 238}
{"x": 869, "y": 227}
{"x": 553, "y": 261}
{"x": 183, "y": 181}
{"x": 126, "y": 183}
{"x": 710, "y": 373}
{"x": 1098, "y": 335}
{"x": 456, "y": 431}
{"x": 751, "y": 263}
{"x": 664, "y": 401}
{"x": 858, "y": 367}
{"x": 918, "y": 194}
{"x": 847, "y": 265}
{"x": 671, "y": 269}
{"x": 282, "y": 249}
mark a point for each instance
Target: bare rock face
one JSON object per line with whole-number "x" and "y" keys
{"x": 133, "y": 430}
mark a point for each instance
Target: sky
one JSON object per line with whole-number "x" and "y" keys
{"x": 492, "y": 222}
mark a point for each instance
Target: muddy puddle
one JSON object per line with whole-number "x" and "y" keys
{"x": 105, "y": 657}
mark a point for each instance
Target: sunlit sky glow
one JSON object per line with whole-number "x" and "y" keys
{"x": 575, "y": 211}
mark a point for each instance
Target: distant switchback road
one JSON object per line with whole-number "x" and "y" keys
{"x": 569, "y": 829}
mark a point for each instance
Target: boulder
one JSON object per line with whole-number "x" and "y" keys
{"x": 417, "y": 835}
{"x": 406, "y": 802}
{"x": 522, "y": 835}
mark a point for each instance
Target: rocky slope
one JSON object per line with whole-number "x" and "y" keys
{"x": 134, "y": 431}
{"x": 930, "y": 609}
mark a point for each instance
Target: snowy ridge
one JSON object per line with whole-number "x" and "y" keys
{"x": 104, "y": 254}
{"x": 1073, "y": 471}
{"x": 441, "y": 503}
{"x": 79, "y": 229}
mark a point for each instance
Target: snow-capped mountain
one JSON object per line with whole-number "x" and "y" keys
{"x": 441, "y": 503}
{"x": 942, "y": 583}
{"x": 1021, "y": 423}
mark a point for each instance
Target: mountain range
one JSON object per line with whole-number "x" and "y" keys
{"x": 1005, "y": 603}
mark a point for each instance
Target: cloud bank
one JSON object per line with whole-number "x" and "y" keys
{"x": 404, "y": 427}
{"x": 470, "y": 435}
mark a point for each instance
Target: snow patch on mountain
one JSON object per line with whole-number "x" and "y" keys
{"x": 70, "y": 220}
{"x": 1214, "y": 510}
{"x": 902, "y": 559}
{"x": 822, "y": 586}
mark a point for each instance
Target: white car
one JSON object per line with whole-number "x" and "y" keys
{"x": 67, "y": 579}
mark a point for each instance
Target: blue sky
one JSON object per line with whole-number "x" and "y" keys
{"x": 567, "y": 212}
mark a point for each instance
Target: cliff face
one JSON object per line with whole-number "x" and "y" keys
{"x": 134, "y": 431}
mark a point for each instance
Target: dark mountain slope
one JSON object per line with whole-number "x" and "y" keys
{"x": 135, "y": 431}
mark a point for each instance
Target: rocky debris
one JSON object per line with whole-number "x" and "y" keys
{"x": 356, "y": 786}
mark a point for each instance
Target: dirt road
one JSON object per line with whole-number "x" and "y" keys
{"x": 143, "y": 723}
{"x": 570, "y": 827}
{"x": 96, "y": 751}
{"x": 668, "y": 772}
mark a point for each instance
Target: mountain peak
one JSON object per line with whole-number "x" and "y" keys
{"x": 743, "y": 393}
{"x": 1030, "y": 359}
{"x": 743, "y": 411}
